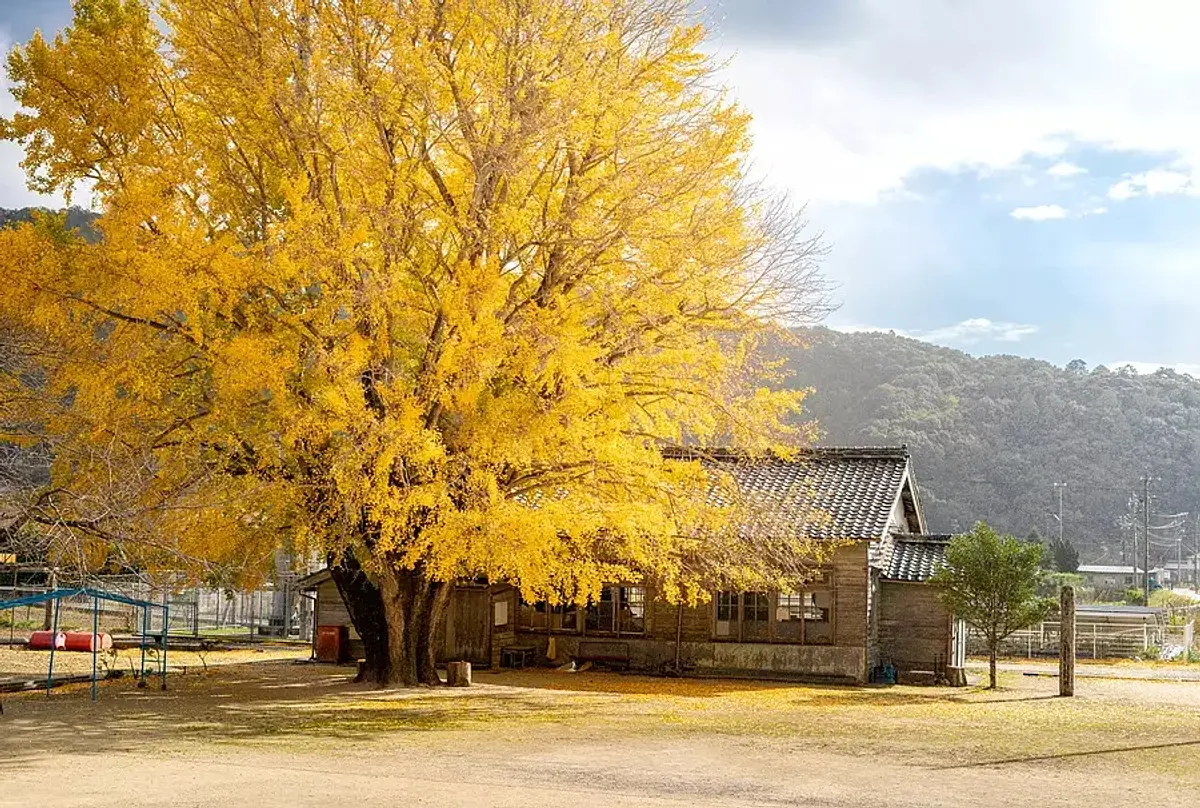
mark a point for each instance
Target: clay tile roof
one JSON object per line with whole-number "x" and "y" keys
{"x": 827, "y": 492}
{"x": 914, "y": 558}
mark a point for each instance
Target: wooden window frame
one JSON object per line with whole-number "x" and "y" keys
{"x": 549, "y": 610}
{"x": 739, "y": 634}
{"x": 581, "y": 615}
{"x": 615, "y": 600}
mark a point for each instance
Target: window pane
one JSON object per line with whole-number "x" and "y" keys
{"x": 564, "y": 618}
{"x": 532, "y": 615}
{"x": 757, "y": 606}
{"x": 789, "y": 617}
{"x": 600, "y": 615}
{"x": 756, "y": 614}
{"x": 727, "y": 606}
{"x": 818, "y": 617}
{"x": 633, "y": 609}
{"x": 727, "y": 615}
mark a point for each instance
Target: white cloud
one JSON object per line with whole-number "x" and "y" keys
{"x": 1064, "y": 168}
{"x": 14, "y": 192}
{"x": 971, "y": 331}
{"x": 1150, "y": 367}
{"x": 1039, "y": 213}
{"x": 1158, "y": 181}
{"x": 968, "y": 332}
{"x": 853, "y": 111}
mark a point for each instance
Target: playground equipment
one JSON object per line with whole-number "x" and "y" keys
{"x": 94, "y": 642}
{"x": 69, "y": 641}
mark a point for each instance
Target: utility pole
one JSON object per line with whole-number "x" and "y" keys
{"x": 1146, "y": 539}
{"x": 1196, "y": 553}
{"x": 1178, "y": 557}
{"x": 1059, "y": 487}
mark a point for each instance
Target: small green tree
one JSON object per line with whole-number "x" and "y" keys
{"x": 990, "y": 581}
{"x": 1134, "y": 597}
{"x": 1066, "y": 557}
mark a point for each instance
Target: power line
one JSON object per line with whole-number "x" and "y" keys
{"x": 1023, "y": 484}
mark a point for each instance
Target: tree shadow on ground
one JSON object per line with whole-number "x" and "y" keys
{"x": 801, "y": 693}
{"x": 252, "y": 703}
{"x": 1116, "y": 750}
{"x": 282, "y": 700}
{"x": 317, "y": 707}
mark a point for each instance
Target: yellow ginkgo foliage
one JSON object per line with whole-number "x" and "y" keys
{"x": 429, "y": 283}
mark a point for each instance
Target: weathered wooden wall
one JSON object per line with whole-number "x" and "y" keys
{"x": 466, "y": 632}
{"x": 914, "y": 627}
{"x": 845, "y": 658}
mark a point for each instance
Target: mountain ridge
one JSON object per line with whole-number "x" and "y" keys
{"x": 991, "y": 435}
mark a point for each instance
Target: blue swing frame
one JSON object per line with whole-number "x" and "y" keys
{"x": 97, "y": 595}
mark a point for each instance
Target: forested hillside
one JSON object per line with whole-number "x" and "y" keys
{"x": 990, "y": 436}
{"x": 77, "y": 218}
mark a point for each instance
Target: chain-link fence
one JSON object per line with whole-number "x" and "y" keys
{"x": 278, "y": 610}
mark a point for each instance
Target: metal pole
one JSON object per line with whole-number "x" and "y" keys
{"x": 287, "y": 609}
{"x": 166, "y": 621}
{"x": 1178, "y": 560}
{"x": 1060, "y": 487}
{"x": 53, "y": 642}
{"x": 1146, "y": 540}
{"x": 1196, "y": 553}
{"x": 145, "y": 631}
{"x": 13, "y": 625}
{"x": 95, "y": 641}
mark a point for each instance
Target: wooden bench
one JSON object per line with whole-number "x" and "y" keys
{"x": 604, "y": 652}
{"x": 516, "y": 656}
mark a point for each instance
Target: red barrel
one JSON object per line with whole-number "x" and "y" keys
{"x": 87, "y": 641}
{"x": 44, "y": 640}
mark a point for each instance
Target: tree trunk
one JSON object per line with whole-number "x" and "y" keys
{"x": 365, "y": 606}
{"x": 399, "y": 617}
{"x": 414, "y": 608}
{"x": 432, "y": 631}
{"x": 992, "y": 666}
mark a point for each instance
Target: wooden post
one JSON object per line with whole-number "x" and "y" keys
{"x": 458, "y": 674}
{"x": 1066, "y": 643}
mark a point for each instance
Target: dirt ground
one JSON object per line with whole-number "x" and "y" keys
{"x": 17, "y": 662}
{"x": 290, "y": 734}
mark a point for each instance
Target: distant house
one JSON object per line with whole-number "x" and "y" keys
{"x": 1181, "y": 573}
{"x": 872, "y": 603}
{"x": 1112, "y": 580}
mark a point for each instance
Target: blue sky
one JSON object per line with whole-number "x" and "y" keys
{"x": 1003, "y": 177}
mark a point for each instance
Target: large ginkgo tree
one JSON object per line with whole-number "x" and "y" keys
{"x": 424, "y": 285}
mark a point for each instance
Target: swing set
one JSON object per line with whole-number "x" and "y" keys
{"x": 94, "y": 643}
